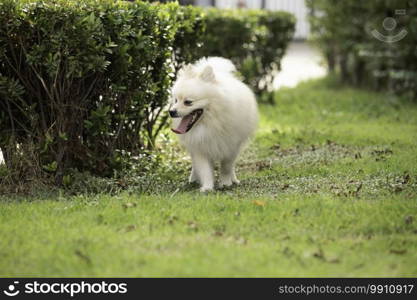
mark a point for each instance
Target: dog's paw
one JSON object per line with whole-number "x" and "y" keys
{"x": 192, "y": 179}
{"x": 236, "y": 181}
{"x": 206, "y": 189}
{"x": 225, "y": 183}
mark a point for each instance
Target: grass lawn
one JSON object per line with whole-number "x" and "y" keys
{"x": 328, "y": 188}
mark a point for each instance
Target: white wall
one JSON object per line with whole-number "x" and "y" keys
{"x": 203, "y": 2}
{"x": 296, "y": 7}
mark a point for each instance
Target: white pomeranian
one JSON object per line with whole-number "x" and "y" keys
{"x": 214, "y": 114}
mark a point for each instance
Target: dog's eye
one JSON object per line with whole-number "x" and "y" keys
{"x": 188, "y": 102}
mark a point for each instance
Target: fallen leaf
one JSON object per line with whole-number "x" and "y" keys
{"x": 334, "y": 261}
{"x": 408, "y": 220}
{"x": 83, "y": 256}
{"x": 319, "y": 254}
{"x": 130, "y": 228}
{"x": 259, "y": 203}
{"x": 399, "y": 252}
{"x": 192, "y": 225}
{"x": 129, "y": 204}
{"x": 172, "y": 219}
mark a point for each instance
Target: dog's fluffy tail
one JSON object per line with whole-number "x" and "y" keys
{"x": 219, "y": 64}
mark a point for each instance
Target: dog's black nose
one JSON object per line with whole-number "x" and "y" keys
{"x": 173, "y": 113}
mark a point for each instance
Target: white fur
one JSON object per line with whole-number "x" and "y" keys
{"x": 230, "y": 117}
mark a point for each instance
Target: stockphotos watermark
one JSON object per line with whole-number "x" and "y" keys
{"x": 72, "y": 289}
{"x": 390, "y": 26}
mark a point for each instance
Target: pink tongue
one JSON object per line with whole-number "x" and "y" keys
{"x": 182, "y": 128}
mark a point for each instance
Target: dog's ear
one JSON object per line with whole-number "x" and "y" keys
{"x": 208, "y": 74}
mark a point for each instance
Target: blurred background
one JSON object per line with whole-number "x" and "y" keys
{"x": 297, "y": 7}
{"x": 301, "y": 61}
{"x": 369, "y": 44}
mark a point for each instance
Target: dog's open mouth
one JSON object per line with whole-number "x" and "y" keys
{"x": 188, "y": 122}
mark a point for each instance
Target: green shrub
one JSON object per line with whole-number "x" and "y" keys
{"x": 190, "y": 30}
{"x": 84, "y": 82}
{"x": 255, "y": 40}
{"x": 343, "y": 31}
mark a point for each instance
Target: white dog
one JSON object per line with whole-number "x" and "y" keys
{"x": 214, "y": 114}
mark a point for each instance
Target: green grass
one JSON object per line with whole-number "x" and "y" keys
{"x": 329, "y": 188}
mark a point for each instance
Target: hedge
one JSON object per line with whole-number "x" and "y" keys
{"x": 84, "y": 84}
{"x": 255, "y": 40}
{"x": 343, "y": 30}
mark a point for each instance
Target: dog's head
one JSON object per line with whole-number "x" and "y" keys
{"x": 191, "y": 96}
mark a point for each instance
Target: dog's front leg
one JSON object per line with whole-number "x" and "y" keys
{"x": 204, "y": 169}
{"x": 193, "y": 176}
{"x": 227, "y": 171}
